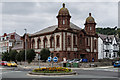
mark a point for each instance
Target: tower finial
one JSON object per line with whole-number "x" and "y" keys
{"x": 89, "y": 14}
{"x": 63, "y": 5}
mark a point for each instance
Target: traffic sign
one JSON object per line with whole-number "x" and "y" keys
{"x": 55, "y": 59}
{"x": 49, "y": 59}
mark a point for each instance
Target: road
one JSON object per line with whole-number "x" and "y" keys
{"x": 105, "y": 72}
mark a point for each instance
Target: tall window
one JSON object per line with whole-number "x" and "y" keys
{"x": 33, "y": 44}
{"x": 90, "y": 28}
{"x": 52, "y": 42}
{"x": 45, "y": 42}
{"x": 58, "y": 55}
{"x": 69, "y": 40}
{"x": 87, "y": 41}
{"x": 77, "y": 55}
{"x": 74, "y": 40}
{"x": 63, "y": 21}
{"x": 58, "y": 41}
{"x": 39, "y": 43}
{"x": 95, "y": 44}
{"x": 74, "y": 55}
{"x": 68, "y": 55}
{"x": 106, "y": 54}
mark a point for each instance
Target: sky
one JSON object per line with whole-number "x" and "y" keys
{"x": 35, "y": 16}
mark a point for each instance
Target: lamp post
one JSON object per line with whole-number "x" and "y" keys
{"x": 51, "y": 54}
{"x": 25, "y": 43}
{"x": 39, "y": 59}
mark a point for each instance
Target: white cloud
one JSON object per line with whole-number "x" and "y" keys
{"x": 38, "y": 15}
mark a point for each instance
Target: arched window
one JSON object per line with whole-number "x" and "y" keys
{"x": 33, "y": 44}
{"x": 74, "y": 40}
{"x": 45, "y": 42}
{"x": 39, "y": 43}
{"x": 74, "y": 55}
{"x": 58, "y": 55}
{"x": 57, "y": 40}
{"x": 52, "y": 42}
{"x": 68, "y": 55}
{"x": 69, "y": 41}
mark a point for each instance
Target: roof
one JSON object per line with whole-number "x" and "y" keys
{"x": 12, "y": 36}
{"x": 17, "y": 47}
{"x": 52, "y": 28}
{"x": 103, "y": 37}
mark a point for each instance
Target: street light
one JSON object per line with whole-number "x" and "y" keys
{"x": 25, "y": 43}
{"x": 39, "y": 59}
{"x": 51, "y": 54}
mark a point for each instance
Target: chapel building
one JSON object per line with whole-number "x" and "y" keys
{"x": 66, "y": 40}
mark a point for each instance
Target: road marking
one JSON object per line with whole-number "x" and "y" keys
{"x": 10, "y": 71}
{"x": 50, "y": 75}
{"x": 103, "y": 69}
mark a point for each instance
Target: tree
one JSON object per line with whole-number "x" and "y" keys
{"x": 18, "y": 57}
{"x": 45, "y": 53}
{"x": 12, "y": 54}
{"x": 22, "y": 54}
{"x": 30, "y": 55}
{"x": 5, "y": 56}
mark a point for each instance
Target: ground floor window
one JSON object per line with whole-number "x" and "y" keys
{"x": 74, "y": 55}
{"x": 58, "y": 55}
{"x": 82, "y": 55}
{"x": 109, "y": 55}
{"x": 68, "y": 55}
{"x": 106, "y": 55}
{"x": 77, "y": 55}
{"x": 113, "y": 54}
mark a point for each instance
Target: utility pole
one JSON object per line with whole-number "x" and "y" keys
{"x": 51, "y": 54}
{"x": 25, "y": 43}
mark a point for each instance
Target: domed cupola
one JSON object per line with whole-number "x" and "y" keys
{"x": 90, "y": 19}
{"x": 90, "y": 25}
{"x": 63, "y": 18}
{"x": 63, "y": 11}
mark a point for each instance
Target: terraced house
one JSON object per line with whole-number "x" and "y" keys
{"x": 66, "y": 40}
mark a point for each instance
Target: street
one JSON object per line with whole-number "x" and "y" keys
{"x": 100, "y": 72}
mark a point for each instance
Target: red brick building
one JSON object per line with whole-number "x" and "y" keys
{"x": 66, "y": 39}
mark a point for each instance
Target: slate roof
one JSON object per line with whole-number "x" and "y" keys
{"x": 18, "y": 47}
{"x": 52, "y": 28}
{"x": 103, "y": 37}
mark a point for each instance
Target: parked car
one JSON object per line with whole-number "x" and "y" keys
{"x": 70, "y": 61}
{"x": 8, "y": 64}
{"x": 117, "y": 64}
{"x": 11, "y": 64}
{"x": 113, "y": 62}
{"x": 84, "y": 60}
{"x": 74, "y": 61}
{"x": 77, "y": 60}
{"x": 3, "y": 63}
